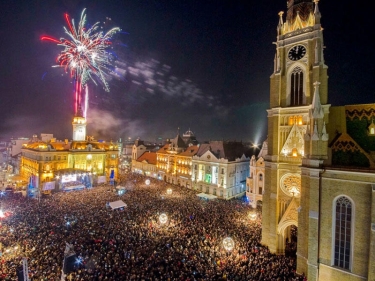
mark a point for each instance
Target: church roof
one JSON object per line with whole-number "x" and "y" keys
{"x": 301, "y": 8}
{"x": 352, "y": 143}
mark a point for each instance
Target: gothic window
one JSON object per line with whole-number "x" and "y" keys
{"x": 343, "y": 212}
{"x": 296, "y": 87}
{"x": 260, "y": 177}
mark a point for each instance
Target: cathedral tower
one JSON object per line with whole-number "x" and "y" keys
{"x": 79, "y": 126}
{"x": 296, "y": 122}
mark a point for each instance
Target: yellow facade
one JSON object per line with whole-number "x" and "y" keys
{"x": 320, "y": 165}
{"x": 48, "y": 160}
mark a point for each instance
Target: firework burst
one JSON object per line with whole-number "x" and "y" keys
{"x": 84, "y": 55}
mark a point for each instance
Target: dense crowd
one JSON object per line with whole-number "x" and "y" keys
{"x": 131, "y": 243}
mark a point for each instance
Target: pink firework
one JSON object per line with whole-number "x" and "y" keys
{"x": 84, "y": 54}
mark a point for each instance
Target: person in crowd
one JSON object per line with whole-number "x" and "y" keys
{"x": 131, "y": 243}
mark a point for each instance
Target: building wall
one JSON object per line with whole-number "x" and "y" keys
{"x": 47, "y": 164}
{"x": 231, "y": 177}
{"x": 358, "y": 187}
{"x": 255, "y": 182}
{"x": 144, "y": 168}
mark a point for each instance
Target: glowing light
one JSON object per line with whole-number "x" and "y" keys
{"x": 253, "y": 216}
{"x": 86, "y": 101}
{"x": 228, "y": 244}
{"x": 163, "y": 218}
{"x": 169, "y": 191}
{"x": 2, "y": 215}
{"x": 147, "y": 182}
{"x": 84, "y": 53}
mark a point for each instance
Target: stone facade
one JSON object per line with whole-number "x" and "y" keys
{"x": 319, "y": 169}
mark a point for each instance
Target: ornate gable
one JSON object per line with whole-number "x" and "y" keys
{"x": 208, "y": 156}
{"x": 290, "y": 216}
{"x": 294, "y": 144}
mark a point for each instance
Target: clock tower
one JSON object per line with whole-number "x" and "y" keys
{"x": 79, "y": 126}
{"x": 297, "y": 118}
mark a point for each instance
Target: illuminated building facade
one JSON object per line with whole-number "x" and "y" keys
{"x": 174, "y": 162}
{"x": 255, "y": 182}
{"x": 50, "y": 161}
{"x": 320, "y": 164}
{"x": 146, "y": 165}
{"x": 220, "y": 168}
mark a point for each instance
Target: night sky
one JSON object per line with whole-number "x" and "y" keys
{"x": 203, "y": 65}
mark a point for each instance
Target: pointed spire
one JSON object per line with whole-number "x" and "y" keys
{"x": 316, "y": 50}
{"x": 317, "y": 109}
{"x": 324, "y": 133}
{"x": 280, "y": 25}
{"x": 317, "y": 12}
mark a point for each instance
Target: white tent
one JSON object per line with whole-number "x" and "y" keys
{"x": 206, "y": 196}
{"x": 117, "y": 204}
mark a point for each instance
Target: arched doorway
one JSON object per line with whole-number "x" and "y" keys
{"x": 287, "y": 238}
{"x": 291, "y": 241}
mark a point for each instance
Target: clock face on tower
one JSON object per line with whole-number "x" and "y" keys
{"x": 297, "y": 52}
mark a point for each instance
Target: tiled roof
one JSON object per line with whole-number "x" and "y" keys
{"x": 190, "y": 151}
{"x": 223, "y": 149}
{"x": 178, "y": 141}
{"x": 149, "y": 157}
{"x": 163, "y": 149}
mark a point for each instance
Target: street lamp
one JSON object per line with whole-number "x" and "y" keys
{"x": 163, "y": 218}
{"x": 228, "y": 244}
{"x": 169, "y": 191}
{"x": 253, "y": 216}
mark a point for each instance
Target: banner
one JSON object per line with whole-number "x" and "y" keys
{"x": 102, "y": 179}
{"x": 33, "y": 181}
{"x": 68, "y": 178}
{"x": 49, "y": 185}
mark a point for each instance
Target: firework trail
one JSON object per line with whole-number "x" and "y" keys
{"x": 86, "y": 101}
{"x": 84, "y": 54}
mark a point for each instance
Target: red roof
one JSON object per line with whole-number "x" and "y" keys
{"x": 149, "y": 157}
{"x": 190, "y": 151}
